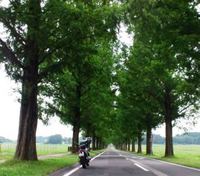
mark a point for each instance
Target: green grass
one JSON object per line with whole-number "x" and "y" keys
{"x": 36, "y": 168}
{"x": 95, "y": 152}
{"x": 188, "y": 155}
{"x": 7, "y": 150}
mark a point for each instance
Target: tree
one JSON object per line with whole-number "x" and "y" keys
{"x": 162, "y": 35}
{"x": 29, "y": 56}
{"x": 71, "y": 88}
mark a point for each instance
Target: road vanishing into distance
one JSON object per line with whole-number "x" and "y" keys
{"x": 118, "y": 163}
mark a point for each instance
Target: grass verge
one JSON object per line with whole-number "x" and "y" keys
{"x": 187, "y": 155}
{"x": 35, "y": 168}
{"x": 38, "y": 168}
{"x": 95, "y": 152}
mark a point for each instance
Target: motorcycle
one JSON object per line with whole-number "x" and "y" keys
{"x": 84, "y": 156}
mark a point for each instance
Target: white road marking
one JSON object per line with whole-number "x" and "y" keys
{"x": 78, "y": 167}
{"x": 191, "y": 168}
{"x": 141, "y": 167}
{"x": 137, "y": 164}
{"x": 156, "y": 172}
{"x": 72, "y": 171}
{"x": 187, "y": 167}
{"x": 97, "y": 156}
{"x": 111, "y": 156}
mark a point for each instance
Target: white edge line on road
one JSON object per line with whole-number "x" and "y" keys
{"x": 187, "y": 167}
{"x": 72, "y": 171}
{"x": 191, "y": 168}
{"x": 141, "y": 167}
{"x": 78, "y": 167}
{"x": 97, "y": 156}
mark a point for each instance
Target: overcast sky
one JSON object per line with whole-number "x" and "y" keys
{"x": 9, "y": 109}
{"x": 9, "y": 112}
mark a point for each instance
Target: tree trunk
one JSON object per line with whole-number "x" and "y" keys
{"x": 133, "y": 145}
{"x": 121, "y": 146}
{"x": 139, "y": 143}
{"x": 76, "y": 119}
{"x": 26, "y": 142}
{"x": 93, "y": 142}
{"x": 168, "y": 122}
{"x": 168, "y": 140}
{"x": 149, "y": 150}
{"x": 129, "y": 145}
{"x": 75, "y": 138}
{"x": 98, "y": 142}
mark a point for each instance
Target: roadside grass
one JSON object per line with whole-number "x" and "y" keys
{"x": 7, "y": 150}
{"x": 36, "y": 168}
{"x": 39, "y": 168}
{"x": 187, "y": 155}
{"x": 95, "y": 152}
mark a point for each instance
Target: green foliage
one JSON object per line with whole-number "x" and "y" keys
{"x": 88, "y": 79}
{"x": 85, "y": 82}
{"x": 154, "y": 79}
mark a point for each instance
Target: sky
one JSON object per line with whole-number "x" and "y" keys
{"x": 9, "y": 108}
{"x": 9, "y": 112}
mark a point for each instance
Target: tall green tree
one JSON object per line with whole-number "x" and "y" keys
{"x": 28, "y": 52}
{"x": 95, "y": 30}
{"x": 166, "y": 24}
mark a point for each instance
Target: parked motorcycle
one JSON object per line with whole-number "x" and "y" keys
{"x": 84, "y": 155}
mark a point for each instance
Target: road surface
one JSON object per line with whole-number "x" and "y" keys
{"x": 118, "y": 163}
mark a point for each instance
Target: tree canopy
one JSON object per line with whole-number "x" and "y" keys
{"x": 70, "y": 62}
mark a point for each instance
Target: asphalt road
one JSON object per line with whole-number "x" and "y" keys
{"x": 118, "y": 163}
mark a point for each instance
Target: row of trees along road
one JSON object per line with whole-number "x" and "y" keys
{"x": 159, "y": 79}
{"x": 48, "y": 40}
{"x": 64, "y": 55}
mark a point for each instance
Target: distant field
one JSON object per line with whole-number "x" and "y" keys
{"x": 7, "y": 150}
{"x": 188, "y": 155}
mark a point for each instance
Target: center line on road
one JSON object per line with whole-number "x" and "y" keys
{"x": 141, "y": 167}
{"x": 138, "y": 165}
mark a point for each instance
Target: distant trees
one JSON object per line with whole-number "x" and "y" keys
{"x": 4, "y": 140}
{"x": 55, "y": 139}
{"x": 187, "y": 138}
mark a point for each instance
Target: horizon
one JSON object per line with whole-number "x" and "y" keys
{"x": 185, "y": 133}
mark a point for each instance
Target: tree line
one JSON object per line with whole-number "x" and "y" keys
{"x": 70, "y": 63}
{"x": 186, "y": 138}
{"x": 159, "y": 78}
